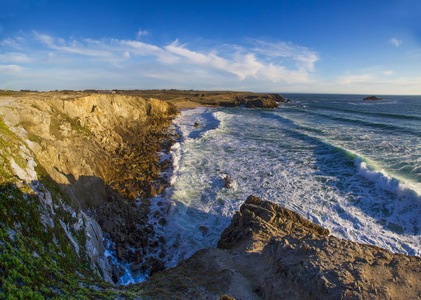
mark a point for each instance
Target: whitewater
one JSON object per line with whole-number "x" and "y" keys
{"x": 350, "y": 165}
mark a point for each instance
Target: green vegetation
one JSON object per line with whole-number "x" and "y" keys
{"x": 10, "y": 147}
{"x": 37, "y": 258}
{"x": 38, "y": 262}
{"x": 63, "y": 119}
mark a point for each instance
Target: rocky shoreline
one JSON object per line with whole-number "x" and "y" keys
{"x": 270, "y": 252}
{"x": 88, "y": 166}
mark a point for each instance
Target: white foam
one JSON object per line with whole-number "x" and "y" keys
{"x": 386, "y": 182}
{"x": 263, "y": 160}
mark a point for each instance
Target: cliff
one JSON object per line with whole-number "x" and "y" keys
{"x": 77, "y": 167}
{"x": 269, "y": 252}
{"x": 72, "y": 167}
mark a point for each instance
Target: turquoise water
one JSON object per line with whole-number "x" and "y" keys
{"x": 350, "y": 165}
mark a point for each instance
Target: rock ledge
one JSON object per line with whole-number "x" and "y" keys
{"x": 270, "y": 252}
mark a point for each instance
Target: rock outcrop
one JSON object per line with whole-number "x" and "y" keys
{"x": 372, "y": 98}
{"x": 269, "y": 252}
{"x": 252, "y": 101}
{"x": 101, "y": 152}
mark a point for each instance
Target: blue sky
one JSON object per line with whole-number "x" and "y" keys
{"x": 365, "y": 47}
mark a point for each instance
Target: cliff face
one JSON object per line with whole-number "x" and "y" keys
{"x": 269, "y": 252}
{"x": 68, "y": 156}
{"x": 82, "y": 142}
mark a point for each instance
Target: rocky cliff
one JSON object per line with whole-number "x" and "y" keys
{"x": 75, "y": 168}
{"x": 269, "y": 252}
{"x": 77, "y": 163}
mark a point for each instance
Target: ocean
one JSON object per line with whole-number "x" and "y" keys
{"x": 350, "y": 165}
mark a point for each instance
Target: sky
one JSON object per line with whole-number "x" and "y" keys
{"x": 340, "y": 46}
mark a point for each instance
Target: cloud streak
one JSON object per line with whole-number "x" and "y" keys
{"x": 259, "y": 62}
{"x": 395, "y": 42}
{"x": 40, "y": 61}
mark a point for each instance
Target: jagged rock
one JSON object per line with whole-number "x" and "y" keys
{"x": 135, "y": 267}
{"x": 150, "y": 191}
{"x": 157, "y": 265}
{"x": 270, "y": 252}
{"x": 119, "y": 252}
{"x": 95, "y": 248}
{"x": 261, "y": 103}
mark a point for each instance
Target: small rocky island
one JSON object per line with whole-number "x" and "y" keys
{"x": 372, "y": 98}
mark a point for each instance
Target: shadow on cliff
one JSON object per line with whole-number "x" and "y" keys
{"x": 335, "y": 162}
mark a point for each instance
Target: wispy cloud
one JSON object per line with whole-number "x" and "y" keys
{"x": 355, "y": 79}
{"x": 15, "y": 42}
{"x": 37, "y": 60}
{"x": 302, "y": 56}
{"x": 14, "y": 57}
{"x": 260, "y": 62}
{"x": 73, "y": 46}
{"x": 395, "y": 42}
{"x": 12, "y": 69}
{"x": 141, "y": 33}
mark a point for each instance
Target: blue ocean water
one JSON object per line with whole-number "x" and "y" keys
{"x": 350, "y": 165}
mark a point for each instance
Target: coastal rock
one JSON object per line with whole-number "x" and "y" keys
{"x": 227, "y": 182}
{"x": 270, "y": 252}
{"x": 372, "y": 98}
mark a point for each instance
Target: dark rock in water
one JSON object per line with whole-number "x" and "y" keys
{"x": 151, "y": 191}
{"x": 146, "y": 202}
{"x": 119, "y": 252}
{"x": 162, "y": 222}
{"x": 135, "y": 267}
{"x": 372, "y": 98}
{"x": 227, "y": 182}
{"x": 204, "y": 229}
{"x": 196, "y": 124}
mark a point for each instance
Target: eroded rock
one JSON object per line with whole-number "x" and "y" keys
{"x": 270, "y": 252}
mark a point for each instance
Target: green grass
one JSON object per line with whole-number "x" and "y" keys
{"x": 38, "y": 262}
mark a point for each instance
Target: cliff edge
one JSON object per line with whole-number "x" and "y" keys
{"x": 270, "y": 252}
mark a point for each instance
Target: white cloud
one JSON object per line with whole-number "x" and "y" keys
{"x": 388, "y": 73}
{"x": 74, "y": 46}
{"x": 355, "y": 79}
{"x": 303, "y": 57}
{"x": 14, "y": 57}
{"x": 136, "y": 61}
{"x": 395, "y": 42}
{"x": 16, "y": 42}
{"x": 141, "y": 33}
{"x": 12, "y": 69}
